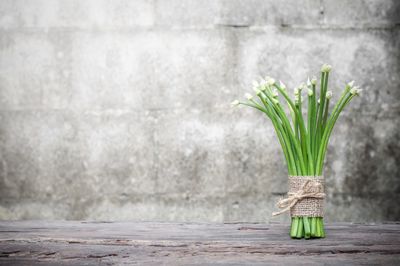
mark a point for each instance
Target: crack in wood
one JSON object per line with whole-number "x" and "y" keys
{"x": 168, "y": 246}
{"x": 252, "y": 228}
{"x": 102, "y": 256}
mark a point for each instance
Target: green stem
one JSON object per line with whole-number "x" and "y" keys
{"x": 332, "y": 120}
{"x": 313, "y": 226}
{"x": 291, "y": 136}
{"x": 325, "y": 116}
{"x": 322, "y": 227}
{"x": 322, "y": 95}
{"x": 300, "y": 228}
{"x": 307, "y": 229}
{"x": 298, "y": 117}
{"x": 293, "y": 229}
{"x": 282, "y": 135}
{"x": 318, "y": 228}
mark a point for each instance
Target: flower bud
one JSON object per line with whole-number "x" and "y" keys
{"x": 235, "y": 103}
{"x": 314, "y": 81}
{"x": 328, "y": 94}
{"x": 283, "y": 86}
{"x": 258, "y": 92}
{"x": 248, "y": 96}
{"x": 296, "y": 91}
{"x": 275, "y": 93}
{"x": 298, "y": 99}
{"x": 310, "y": 92}
{"x": 262, "y": 82}
{"x": 308, "y": 82}
{"x": 270, "y": 81}
{"x": 326, "y": 68}
{"x": 355, "y": 91}
{"x": 350, "y": 84}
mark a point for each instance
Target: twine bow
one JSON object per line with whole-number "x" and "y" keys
{"x": 309, "y": 189}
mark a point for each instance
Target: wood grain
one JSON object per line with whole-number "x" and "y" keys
{"x": 149, "y": 243}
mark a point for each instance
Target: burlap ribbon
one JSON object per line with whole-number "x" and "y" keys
{"x": 305, "y": 197}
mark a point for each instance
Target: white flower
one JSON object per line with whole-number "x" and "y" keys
{"x": 326, "y": 68}
{"x": 263, "y": 82}
{"x": 248, "y": 96}
{"x": 355, "y": 91}
{"x": 308, "y": 82}
{"x": 328, "y": 94}
{"x": 270, "y": 81}
{"x": 274, "y": 93}
{"x": 261, "y": 85}
{"x": 297, "y": 98}
{"x": 283, "y": 86}
{"x": 256, "y": 86}
{"x": 310, "y": 92}
{"x": 235, "y": 103}
{"x": 350, "y": 84}
{"x": 313, "y": 81}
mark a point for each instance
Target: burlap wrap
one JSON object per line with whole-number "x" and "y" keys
{"x": 305, "y": 197}
{"x": 311, "y": 207}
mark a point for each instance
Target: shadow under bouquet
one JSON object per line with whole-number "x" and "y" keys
{"x": 303, "y": 132}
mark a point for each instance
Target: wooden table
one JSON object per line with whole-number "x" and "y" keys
{"x": 149, "y": 243}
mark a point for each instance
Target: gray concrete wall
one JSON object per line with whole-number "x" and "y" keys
{"x": 116, "y": 110}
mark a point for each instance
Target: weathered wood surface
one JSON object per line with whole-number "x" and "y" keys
{"x": 119, "y": 243}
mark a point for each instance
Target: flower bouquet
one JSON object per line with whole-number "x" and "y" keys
{"x": 303, "y": 132}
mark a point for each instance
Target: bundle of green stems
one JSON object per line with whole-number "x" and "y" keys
{"x": 303, "y": 131}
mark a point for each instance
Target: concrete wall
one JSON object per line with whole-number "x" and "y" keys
{"x": 116, "y": 110}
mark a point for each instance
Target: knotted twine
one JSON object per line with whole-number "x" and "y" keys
{"x": 305, "y": 197}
